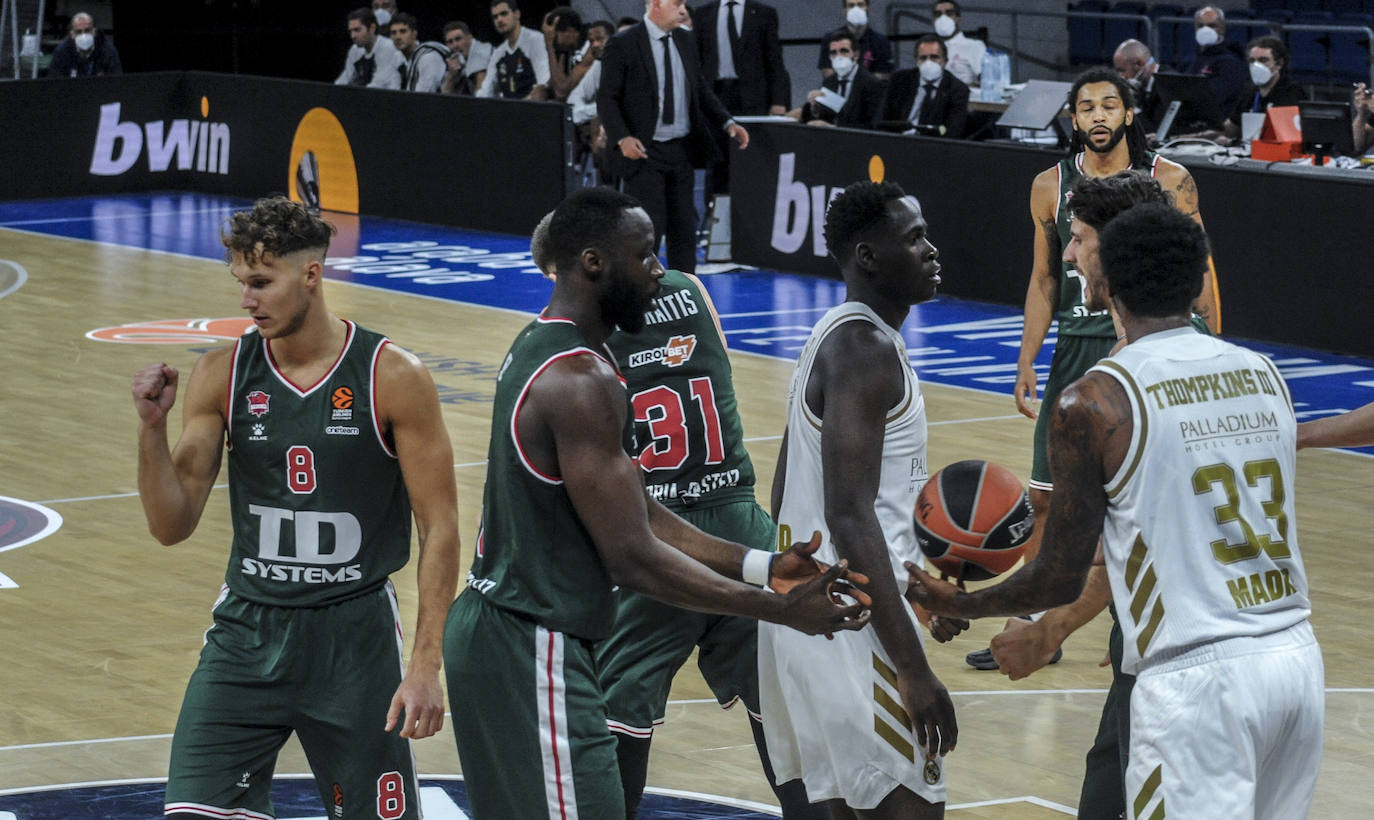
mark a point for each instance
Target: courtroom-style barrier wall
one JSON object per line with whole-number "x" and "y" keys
{"x": 1294, "y": 254}
{"x": 482, "y": 164}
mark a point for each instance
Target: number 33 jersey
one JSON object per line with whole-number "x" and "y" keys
{"x": 1201, "y": 537}
{"x": 319, "y": 506}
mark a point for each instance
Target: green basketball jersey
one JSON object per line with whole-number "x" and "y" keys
{"x": 686, "y": 416}
{"x": 319, "y": 508}
{"x": 1074, "y": 317}
{"x": 534, "y": 557}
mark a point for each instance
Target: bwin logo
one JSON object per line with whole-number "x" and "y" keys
{"x": 202, "y": 145}
{"x": 797, "y": 208}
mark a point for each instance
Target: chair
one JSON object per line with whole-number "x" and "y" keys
{"x": 1308, "y": 57}
{"x": 1085, "y": 34}
{"x": 1114, "y": 32}
{"x": 1168, "y": 34}
{"x": 1343, "y": 7}
{"x": 1240, "y": 26}
{"x": 1350, "y": 50}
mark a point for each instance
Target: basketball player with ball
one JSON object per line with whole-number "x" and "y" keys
{"x": 1197, "y": 522}
{"x": 864, "y": 723}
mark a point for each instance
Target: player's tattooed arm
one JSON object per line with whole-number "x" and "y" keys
{"x": 1185, "y": 196}
{"x": 1089, "y": 433}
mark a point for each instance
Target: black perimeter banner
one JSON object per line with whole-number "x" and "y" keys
{"x": 1294, "y": 252}
{"x": 482, "y": 164}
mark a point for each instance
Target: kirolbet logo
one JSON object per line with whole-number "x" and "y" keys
{"x": 198, "y": 145}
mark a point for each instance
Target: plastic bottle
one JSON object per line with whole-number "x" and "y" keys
{"x": 996, "y": 75}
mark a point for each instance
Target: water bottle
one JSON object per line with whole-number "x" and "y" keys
{"x": 996, "y": 74}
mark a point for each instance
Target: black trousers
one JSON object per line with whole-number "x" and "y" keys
{"x": 665, "y": 184}
{"x": 718, "y": 181}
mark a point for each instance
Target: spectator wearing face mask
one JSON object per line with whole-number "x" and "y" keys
{"x": 965, "y": 53}
{"x": 872, "y": 51}
{"x": 1269, "y": 83}
{"x": 373, "y": 61}
{"x": 861, "y": 90}
{"x": 1137, "y": 66}
{"x": 384, "y": 11}
{"x": 85, "y": 52}
{"x": 1222, "y": 62}
{"x": 927, "y": 99}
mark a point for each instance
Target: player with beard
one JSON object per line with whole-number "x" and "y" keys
{"x": 1107, "y": 140}
{"x": 565, "y": 518}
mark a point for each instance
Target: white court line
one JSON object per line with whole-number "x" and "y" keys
{"x": 22, "y": 276}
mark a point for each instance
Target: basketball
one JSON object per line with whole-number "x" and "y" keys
{"x": 973, "y": 519}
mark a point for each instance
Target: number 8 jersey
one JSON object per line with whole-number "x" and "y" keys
{"x": 1200, "y": 537}
{"x": 319, "y": 506}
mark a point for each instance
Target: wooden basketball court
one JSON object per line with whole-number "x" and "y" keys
{"x": 104, "y": 626}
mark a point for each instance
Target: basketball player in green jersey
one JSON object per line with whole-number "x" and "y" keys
{"x": 1025, "y": 646}
{"x": 335, "y": 438}
{"x": 1107, "y": 140}
{"x": 565, "y": 517}
{"x": 691, "y": 441}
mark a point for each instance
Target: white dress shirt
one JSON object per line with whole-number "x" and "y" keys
{"x": 727, "y": 55}
{"x": 681, "y": 124}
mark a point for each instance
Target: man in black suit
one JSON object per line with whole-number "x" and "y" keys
{"x": 927, "y": 99}
{"x": 737, "y": 41}
{"x": 862, "y": 92}
{"x": 662, "y": 122}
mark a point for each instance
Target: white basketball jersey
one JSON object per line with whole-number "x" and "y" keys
{"x": 1201, "y": 536}
{"x": 904, "y": 469}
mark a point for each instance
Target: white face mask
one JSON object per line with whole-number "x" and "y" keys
{"x": 944, "y": 25}
{"x": 383, "y": 16}
{"x": 1260, "y": 73}
{"x": 842, "y": 65}
{"x": 857, "y": 16}
{"x": 84, "y": 41}
{"x": 931, "y": 71}
{"x": 1206, "y": 36}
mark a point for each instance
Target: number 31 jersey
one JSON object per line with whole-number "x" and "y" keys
{"x": 319, "y": 507}
{"x": 691, "y": 444}
{"x": 1201, "y": 536}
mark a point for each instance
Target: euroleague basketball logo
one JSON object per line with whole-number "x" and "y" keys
{"x": 342, "y": 402}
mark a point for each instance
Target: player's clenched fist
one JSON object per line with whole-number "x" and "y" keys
{"x": 154, "y": 389}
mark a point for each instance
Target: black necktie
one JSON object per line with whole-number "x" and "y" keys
{"x": 844, "y": 87}
{"x": 732, "y": 29}
{"x": 924, "y": 116}
{"x": 669, "y": 104}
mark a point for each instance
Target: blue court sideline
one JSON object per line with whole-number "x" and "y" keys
{"x": 950, "y": 341}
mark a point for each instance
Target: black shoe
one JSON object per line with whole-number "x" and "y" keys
{"x": 982, "y": 659}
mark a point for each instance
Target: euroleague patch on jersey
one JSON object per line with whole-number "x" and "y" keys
{"x": 341, "y": 401}
{"x": 677, "y": 352}
{"x": 174, "y": 331}
{"x": 296, "y": 798}
{"x": 257, "y": 402}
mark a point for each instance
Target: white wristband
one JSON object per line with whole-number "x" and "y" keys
{"x": 754, "y": 570}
